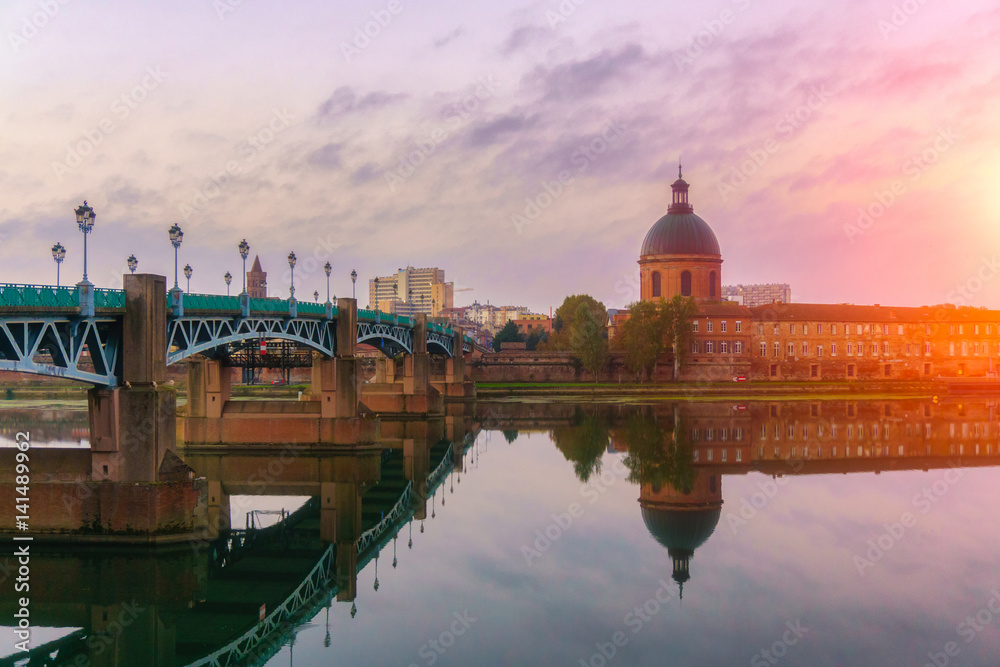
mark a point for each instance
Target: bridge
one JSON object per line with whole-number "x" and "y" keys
{"x": 57, "y": 331}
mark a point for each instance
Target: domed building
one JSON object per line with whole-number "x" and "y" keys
{"x": 682, "y": 520}
{"x": 680, "y": 254}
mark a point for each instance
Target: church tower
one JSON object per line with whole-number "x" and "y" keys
{"x": 257, "y": 280}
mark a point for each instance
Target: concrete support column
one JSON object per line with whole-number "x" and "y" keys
{"x": 416, "y": 374}
{"x": 335, "y": 385}
{"x": 219, "y": 516}
{"x": 385, "y": 370}
{"x": 455, "y": 367}
{"x": 340, "y": 522}
{"x": 209, "y": 384}
{"x": 416, "y": 468}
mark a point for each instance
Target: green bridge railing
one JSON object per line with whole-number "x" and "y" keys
{"x": 46, "y": 296}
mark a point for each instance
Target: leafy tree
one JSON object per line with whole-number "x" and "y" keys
{"x": 658, "y": 455}
{"x": 564, "y": 320}
{"x": 535, "y": 338}
{"x": 510, "y": 436}
{"x": 589, "y": 339}
{"x": 509, "y": 334}
{"x": 641, "y": 337}
{"x": 676, "y": 315}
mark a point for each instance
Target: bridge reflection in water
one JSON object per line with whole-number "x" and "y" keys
{"x": 241, "y": 594}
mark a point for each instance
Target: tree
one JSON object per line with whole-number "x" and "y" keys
{"x": 588, "y": 339}
{"x": 658, "y": 455}
{"x": 677, "y": 314}
{"x": 509, "y": 334}
{"x": 565, "y": 320}
{"x": 583, "y": 443}
{"x": 535, "y": 338}
{"x": 641, "y": 337}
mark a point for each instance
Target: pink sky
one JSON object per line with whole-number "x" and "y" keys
{"x": 840, "y": 104}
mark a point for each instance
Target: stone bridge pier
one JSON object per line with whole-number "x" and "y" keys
{"x": 412, "y": 393}
{"x": 456, "y": 382}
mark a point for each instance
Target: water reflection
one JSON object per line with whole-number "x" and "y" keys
{"x": 659, "y": 467}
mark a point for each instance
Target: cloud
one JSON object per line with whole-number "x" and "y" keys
{"x": 327, "y": 157}
{"x": 345, "y": 100}
{"x": 450, "y": 37}
{"x": 586, "y": 78}
{"x": 523, "y": 37}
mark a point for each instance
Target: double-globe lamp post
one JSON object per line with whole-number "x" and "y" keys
{"x": 187, "y": 274}
{"x": 133, "y": 263}
{"x": 176, "y": 236}
{"x": 58, "y": 254}
{"x": 228, "y": 278}
{"x": 85, "y": 220}
{"x": 244, "y": 252}
{"x": 354, "y": 280}
{"x": 327, "y": 269}
{"x": 292, "y": 259}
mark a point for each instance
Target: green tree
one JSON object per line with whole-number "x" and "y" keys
{"x": 564, "y": 320}
{"x": 589, "y": 340}
{"x": 510, "y": 435}
{"x": 641, "y": 337}
{"x": 676, "y": 315}
{"x": 509, "y": 334}
{"x": 534, "y": 339}
{"x": 657, "y": 454}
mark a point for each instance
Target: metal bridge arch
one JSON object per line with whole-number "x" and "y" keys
{"x": 187, "y": 336}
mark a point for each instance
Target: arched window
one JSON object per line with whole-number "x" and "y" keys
{"x": 711, "y": 283}
{"x": 685, "y": 283}
{"x": 656, "y": 283}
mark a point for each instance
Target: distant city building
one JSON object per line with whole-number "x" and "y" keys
{"x": 758, "y": 295}
{"x": 256, "y": 280}
{"x": 532, "y": 323}
{"x": 410, "y": 291}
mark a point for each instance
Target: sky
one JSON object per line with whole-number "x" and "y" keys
{"x": 848, "y": 149}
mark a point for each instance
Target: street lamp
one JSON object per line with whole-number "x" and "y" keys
{"x": 376, "y": 294}
{"x": 354, "y": 280}
{"x": 327, "y": 268}
{"x": 133, "y": 263}
{"x": 187, "y": 274}
{"x": 244, "y": 251}
{"x": 85, "y": 219}
{"x": 316, "y": 296}
{"x": 228, "y": 278}
{"x": 176, "y": 236}
{"x": 58, "y": 254}
{"x": 291, "y": 263}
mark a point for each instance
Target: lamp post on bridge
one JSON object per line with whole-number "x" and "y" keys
{"x": 176, "y": 294}
{"x": 244, "y": 251}
{"x": 228, "y": 278}
{"x": 316, "y": 296}
{"x": 58, "y": 254}
{"x": 376, "y": 295}
{"x": 327, "y": 269}
{"x": 187, "y": 274}
{"x": 292, "y": 307}
{"x": 85, "y": 289}
{"x": 395, "y": 296}
{"x": 354, "y": 280}
{"x": 133, "y": 263}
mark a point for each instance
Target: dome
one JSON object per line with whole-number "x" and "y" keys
{"x": 680, "y": 234}
{"x": 681, "y": 531}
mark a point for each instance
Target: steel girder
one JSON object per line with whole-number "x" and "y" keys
{"x": 192, "y": 335}
{"x": 64, "y": 339}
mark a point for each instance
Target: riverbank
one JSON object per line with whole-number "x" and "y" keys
{"x": 708, "y": 391}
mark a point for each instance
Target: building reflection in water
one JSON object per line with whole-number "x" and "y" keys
{"x": 678, "y": 453}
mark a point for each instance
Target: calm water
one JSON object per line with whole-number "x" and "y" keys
{"x": 807, "y": 533}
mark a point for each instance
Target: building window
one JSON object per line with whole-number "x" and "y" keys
{"x": 927, "y": 347}
{"x": 791, "y": 349}
{"x": 724, "y": 347}
{"x": 814, "y": 371}
{"x": 739, "y": 326}
{"x": 739, "y": 347}
{"x": 927, "y": 329}
{"x": 965, "y": 348}
{"x": 694, "y": 347}
{"x": 774, "y": 370}
{"x": 791, "y": 329}
{"x": 861, "y": 329}
{"x": 708, "y": 326}
{"x": 763, "y": 349}
{"x": 711, "y": 283}
{"x": 887, "y": 370}
{"x": 685, "y": 283}
{"x": 819, "y": 350}
{"x": 777, "y": 349}
{"x": 850, "y": 370}
{"x": 805, "y": 329}
{"x": 760, "y": 329}
{"x": 775, "y": 329}
{"x": 850, "y": 349}
{"x": 885, "y": 329}
{"x": 805, "y": 349}
{"x": 722, "y": 326}
{"x": 833, "y": 349}
{"x": 833, "y": 329}
{"x": 927, "y": 369}
{"x": 899, "y": 330}
{"x": 709, "y": 347}
{"x": 694, "y": 326}
{"x": 819, "y": 329}
{"x": 961, "y": 329}
{"x": 656, "y": 283}
{"x": 885, "y": 347}
{"x": 861, "y": 349}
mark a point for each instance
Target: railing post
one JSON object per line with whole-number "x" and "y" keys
{"x": 244, "y": 305}
{"x": 293, "y": 307}
{"x": 85, "y": 295}
{"x": 176, "y": 299}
